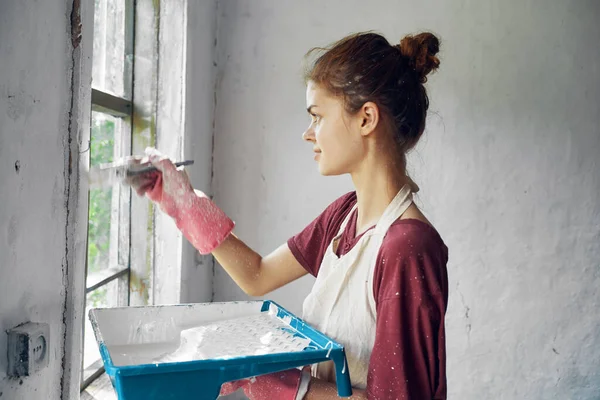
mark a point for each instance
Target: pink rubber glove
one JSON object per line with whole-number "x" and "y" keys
{"x": 284, "y": 385}
{"x": 141, "y": 183}
{"x": 204, "y": 224}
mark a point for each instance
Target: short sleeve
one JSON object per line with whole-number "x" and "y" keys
{"x": 309, "y": 246}
{"x": 411, "y": 292}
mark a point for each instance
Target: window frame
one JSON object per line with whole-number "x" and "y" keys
{"x": 134, "y": 108}
{"x": 152, "y": 273}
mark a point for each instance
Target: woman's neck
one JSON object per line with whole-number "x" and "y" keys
{"x": 377, "y": 182}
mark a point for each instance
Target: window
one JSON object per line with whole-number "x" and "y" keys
{"x": 133, "y": 252}
{"x": 108, "y": 259}
{"x": 119, "y": 267}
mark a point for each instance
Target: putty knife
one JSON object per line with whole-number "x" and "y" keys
{"x": 106, "y": 175}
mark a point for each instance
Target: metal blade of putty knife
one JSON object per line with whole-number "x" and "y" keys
{"x": 105, "y": 175}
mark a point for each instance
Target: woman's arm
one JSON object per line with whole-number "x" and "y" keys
{"x": 254, "y": 274}
{"x": 408, "y": 358}
{"x": 209, "y": 229}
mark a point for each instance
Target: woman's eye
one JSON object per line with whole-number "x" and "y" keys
{"x": 315, "y": 118}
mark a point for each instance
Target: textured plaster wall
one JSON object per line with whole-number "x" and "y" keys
{"x": 44, "y": 78}
{"x": 509, "y": 171}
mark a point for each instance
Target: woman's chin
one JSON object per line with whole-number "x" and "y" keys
{"x": 325, "y": 171}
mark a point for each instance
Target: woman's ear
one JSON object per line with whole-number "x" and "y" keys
{"x": 368, "y": 118}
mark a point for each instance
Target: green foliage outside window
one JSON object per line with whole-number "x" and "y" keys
{"x": 101, "y": 151}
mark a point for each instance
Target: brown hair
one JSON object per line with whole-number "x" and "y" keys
{"x": 366, "y": 67}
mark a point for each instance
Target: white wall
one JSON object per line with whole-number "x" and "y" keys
{"x": 508, "y": 169}
{"x": 197, "y": 270}
{"x": 42, "y": 236}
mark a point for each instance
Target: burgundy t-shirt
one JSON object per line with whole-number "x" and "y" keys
{"x": 411, "y": 293}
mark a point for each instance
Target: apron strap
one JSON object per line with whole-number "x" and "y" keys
{"x": 395, "y": 209}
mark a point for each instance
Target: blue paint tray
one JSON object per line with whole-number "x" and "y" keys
{"x": 188, "y": 351}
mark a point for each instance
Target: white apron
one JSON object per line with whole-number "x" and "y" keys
{"x": 341, "y": 303}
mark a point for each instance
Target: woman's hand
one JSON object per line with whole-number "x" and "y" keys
{"x": 197, "y": 217}
{"x": 141, "y": 182}
{"x": 291, "y": 384}
{"x": 171, "y": 188}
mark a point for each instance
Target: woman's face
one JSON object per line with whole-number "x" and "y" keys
{"x": 335, "y": 135}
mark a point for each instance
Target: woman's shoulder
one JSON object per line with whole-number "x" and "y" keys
{"x": 413, "y": 233}
{"x": 413, "y": 237}
{"x": 337, "y": 210}
{"x": 412, "y": 257}
{"x": 310, "y": 244}
{"x": 343, "y": 203}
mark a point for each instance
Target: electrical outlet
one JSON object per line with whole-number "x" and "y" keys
{"x": 28, "y": 348}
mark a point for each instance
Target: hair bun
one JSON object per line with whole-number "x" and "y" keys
{"x": 420, "y": 51}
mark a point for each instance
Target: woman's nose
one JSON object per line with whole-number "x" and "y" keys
{"x": 309, "y": 134}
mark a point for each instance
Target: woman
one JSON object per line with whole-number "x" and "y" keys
{"x": 381, "y": 282}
